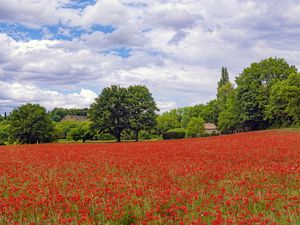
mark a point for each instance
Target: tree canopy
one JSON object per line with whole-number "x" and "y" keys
{"x": 118, "y": 108}
{"x": 254, "y": 86}
{"x": 284, "y": 103}
{"x": 195, "y": 127}
{"x": 224, "y": 77}
{"x": 30, "y": 124}
{"x": 142, "y": 109}
{"x": 265, "y": 94}
{"x": 57, "y": 114}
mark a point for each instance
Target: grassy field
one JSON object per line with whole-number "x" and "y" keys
{"x": 246, "y": 178}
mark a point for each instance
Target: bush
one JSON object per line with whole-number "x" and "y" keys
{"x": 104, "y": 137}
{"x": 149, "y": 134}
{"x": 177, "y": 133}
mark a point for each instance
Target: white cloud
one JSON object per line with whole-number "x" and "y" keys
{"x": 15, "y": 94}
{"x": 177, "y": 47}
{"x": 31, "y": 12}
{"x": 166, "y": 106}
{"x": 105, "y": 12}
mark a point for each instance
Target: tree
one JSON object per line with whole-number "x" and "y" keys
{"x": 211, "y": 112}
{"x": 167, "y": 121}
{"x": 142, "y": 109}
{"x": 4, "y": 129}
{"x": 1, "y": 118}
{"x": 283, "y": 108}
{"x": 63, "y": 128}
{"x": 195, "y": 127}
{"x": 30, "y": 124}
{"x": 81, "y": 131}
{"x": 57, "y": 114}
{"x": 186, "y": 117}
{"x": 254, "y": 86}
{"x": 229, "y": 116}
{"x": 224, "y": 77}
{"x": 222, "y": 96}
{"x": 110, "y": 111}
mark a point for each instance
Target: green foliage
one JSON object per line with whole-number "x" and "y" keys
{"x": 284, "y": 103}
{"x": 4, "y": 132}
{"x": 167, "y": 121}
{"x": 253, "y": 89}
{"x": 222, "y": 95}
{"x": 177, "y": 133}
{"x": 224, "y": 77}
{"x": 149, "y": 134}
{"x": 62, "y": 129}
{"x": 211, "y": 112}
{"x": 57, "y": 114}
{"x": 81, "y": 131}
{"x": 1, "y": 118}
{"x": 117, "y": 109}
{"x": 186, "y": 116}
{"x": 229, "y": 116}
{"x": 110, "y": 112}
{"x": 195, "y": 127}
{"x": 142, "y": 109}
{"x": 103, "y": 137}
{"x": 30, "y": 123}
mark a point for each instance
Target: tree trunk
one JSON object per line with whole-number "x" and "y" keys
{"x": 119, "y": 137}
{"x": 136, "y": 134}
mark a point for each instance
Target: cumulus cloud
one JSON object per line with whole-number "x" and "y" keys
{"x": 107, "y": 12}
{"x": 15, "y": 94}
{"x": 175, "y": 47}
{"x": 31, "y": 13}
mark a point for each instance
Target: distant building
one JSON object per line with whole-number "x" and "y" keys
{"x": 74, "y": 118}
{"x": 211, "y": 128}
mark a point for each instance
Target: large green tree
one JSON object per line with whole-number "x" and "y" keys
{"x": 118, "y": 109}
{"x": 142, "y": 109}
{"x": 110, "y": 111}
{"x": 283, "y": 108}
{"x": 254, "y": 86}
{"x": 30, "y": 124}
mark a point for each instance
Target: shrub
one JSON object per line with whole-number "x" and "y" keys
{"x": 177, "y": 133}
{"x": 104, "y": 137}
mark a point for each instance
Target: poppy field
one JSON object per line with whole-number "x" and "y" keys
{"x": 247, "y": 178}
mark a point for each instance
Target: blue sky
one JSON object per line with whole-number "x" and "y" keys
{"x": 64, "y": 52}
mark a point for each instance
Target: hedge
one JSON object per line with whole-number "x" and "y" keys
{"x": 178, "y": 133}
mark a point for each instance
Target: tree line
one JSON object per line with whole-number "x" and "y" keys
{"x": 267, "y": 94}
{"x": 116, "y": 110}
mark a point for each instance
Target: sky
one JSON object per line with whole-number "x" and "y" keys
{"x": 62, "y": 53}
